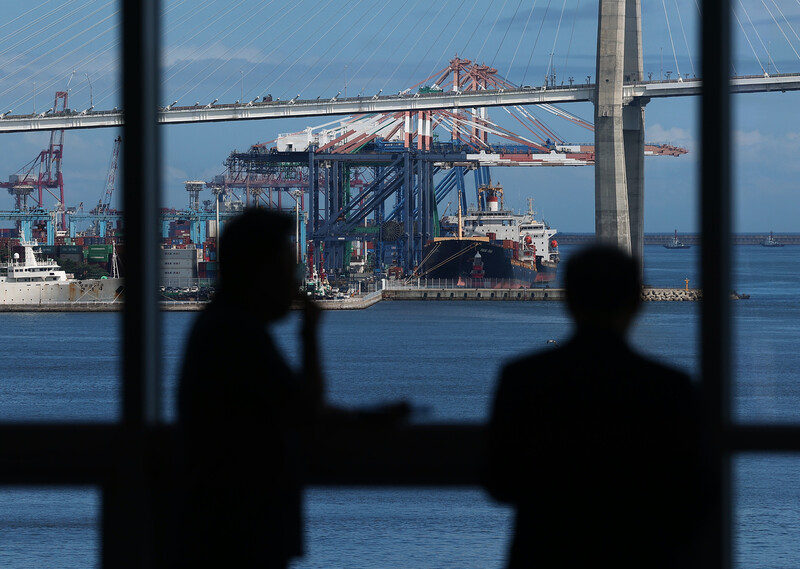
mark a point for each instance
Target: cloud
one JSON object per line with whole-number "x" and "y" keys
{"x": 215, "y": 52}
{"x": 772, "y": 152}
{"x": 674, "y": 135}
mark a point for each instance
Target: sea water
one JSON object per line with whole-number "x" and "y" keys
{"x": 443, "y": 357}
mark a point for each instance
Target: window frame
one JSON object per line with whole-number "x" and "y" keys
{"x": 120, "y": 458}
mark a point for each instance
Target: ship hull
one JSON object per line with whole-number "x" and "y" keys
{"x": 73, "y": 291}
{"x": 455, "y": 260}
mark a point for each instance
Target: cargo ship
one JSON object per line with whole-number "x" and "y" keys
{"x": 492, "y": 247}
{"x": 29, "y": 278}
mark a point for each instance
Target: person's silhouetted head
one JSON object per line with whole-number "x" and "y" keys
{"x": 603, "y": 287}
{"x": 257, "y": 262}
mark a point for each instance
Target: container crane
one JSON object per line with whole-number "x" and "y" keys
{"x": 104, "y": 203}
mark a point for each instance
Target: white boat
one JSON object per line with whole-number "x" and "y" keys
{"x": 32, "y": 279}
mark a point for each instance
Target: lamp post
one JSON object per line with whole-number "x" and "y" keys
{"x": 91, "y": 93}
{"x": 297, "y": 196}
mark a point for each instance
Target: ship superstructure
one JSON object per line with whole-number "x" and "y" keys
{"x": 30, "y": 278}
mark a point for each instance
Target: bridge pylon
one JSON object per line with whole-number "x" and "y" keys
{"x": 619, "y": 128}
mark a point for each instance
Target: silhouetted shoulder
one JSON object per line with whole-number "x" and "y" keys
{"x": 586, "y": 429}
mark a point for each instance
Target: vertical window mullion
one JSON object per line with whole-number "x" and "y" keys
{"x": 715, "y": 206}
{"x": 141, "y": 168}
{"x": 128, "y": 496}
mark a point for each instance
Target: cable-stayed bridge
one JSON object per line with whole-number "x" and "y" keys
{"x": 629, "y": 97}
{"x": 295, "y": 108}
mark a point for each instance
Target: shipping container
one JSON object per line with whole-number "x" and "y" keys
{"x": 50, "y": 251}
{"x": 98, "y": 253}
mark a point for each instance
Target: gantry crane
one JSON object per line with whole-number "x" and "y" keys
{"x": 103, "y": 210}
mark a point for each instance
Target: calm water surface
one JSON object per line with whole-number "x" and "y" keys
{"x": 443, "y": 357}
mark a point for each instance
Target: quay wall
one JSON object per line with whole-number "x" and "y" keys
{"x": 473, "y": 294}
{"x": 399, "y": 293}
{"x": 648, "y": 294}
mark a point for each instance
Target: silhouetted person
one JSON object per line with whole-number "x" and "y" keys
{"x": 245, "y": 418}
{"x": 242, "y": 411}
{"x": 595, "y": 446}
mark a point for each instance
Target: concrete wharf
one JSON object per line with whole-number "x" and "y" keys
{"x": 649, "y": 294}
{"x": 361, "y": 302}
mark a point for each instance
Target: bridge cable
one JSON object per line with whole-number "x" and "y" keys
{"x": 413, "y": 74}
{"x": 491, "y": 31}
{"x": 555, "y": 39}
{"x": 747, "y": 37}
{"x": 480, "y": 22}
{"x": 524, "y": 30}
{"x": 407, "y": 50}
{"x": 755, "y": 30}
{"x": 437, "y": 63}
{"x": 230, "y": 54}
{"x": 197, "y": 53}
{"x": 572, "y": 32}
{"x": 685, "y": 41}
{"x": 233, "y": 52}
{"x": 286, "y": 38}
{"x": 60, "y": 59}
{"x": 331, "y": 58}
{"x": 18, "y": 31}
{"x": 385, "y": 39}
{"x": 780, "y": 28}
{"x": 48, "y": 38}
{"x": 282, "y": 64}
{"x": 787, "y": 21}
{"x": 37, "y": 32}
{"x": 377, "y": 48}
{"x": 503, "y": 39}
{"x": 111, "y": 63}
{"x": 536, "y": 42}
{"x": 671, "y": 41}
{"x": 319, "y": 39}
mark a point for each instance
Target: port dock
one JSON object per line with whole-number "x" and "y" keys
{"x": 488, "y": 294}
{"x": 399, "y": 293}
{"x": 649, "y": 294}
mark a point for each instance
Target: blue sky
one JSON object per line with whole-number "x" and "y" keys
{"x": 248, "y": 48}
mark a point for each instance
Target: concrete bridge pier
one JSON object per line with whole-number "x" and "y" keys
{"x": 619, "y": 128}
